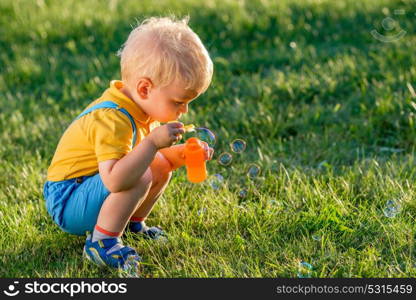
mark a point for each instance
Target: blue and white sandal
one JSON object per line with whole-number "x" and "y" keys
{"x": 153, "y": 232}
{"x": 111, "y": 252}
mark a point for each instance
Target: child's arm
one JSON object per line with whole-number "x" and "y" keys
{"x": 123, "y": 174}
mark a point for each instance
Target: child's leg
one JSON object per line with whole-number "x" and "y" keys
{"x": 161, "y": 174}
{"x": 104, "y": 246}
{"x": 118, "y": 207}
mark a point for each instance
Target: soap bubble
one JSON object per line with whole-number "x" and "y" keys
{"x": 205, "y": 135}
{"x": 225, "y": 159}
{"x": 391, "y": 209}
{"x": 389, "y": 213}
{"x": 305, "y": 270}
{"x": 216, "y": 181}
{"x": 273, "y": 202}
{"x": 202, "y": 211}
{"x": 275, "y": 205}
{"x": 316, "y": 237}
{"x": 243, "y": 193}
{"x": 393, "y": 204}
{"x": 253, "y": 171}
{"x": 238, "y": 146}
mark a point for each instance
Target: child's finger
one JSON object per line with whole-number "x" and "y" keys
{"x": 176, "y": 124}
{"x": 211, "y": 153}
{"x": 206, "y": 150}
{"x": 177, "y": 131}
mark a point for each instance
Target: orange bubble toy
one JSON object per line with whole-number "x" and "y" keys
{"x": 195, "y": 160}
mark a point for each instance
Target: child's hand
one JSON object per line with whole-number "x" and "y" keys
{"x": 166, "y": 135}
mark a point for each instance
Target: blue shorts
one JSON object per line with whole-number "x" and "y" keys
{"x": 74, "y": 204}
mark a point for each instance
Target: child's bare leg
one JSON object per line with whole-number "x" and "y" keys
{"x": 118, "y": 207}
{"x": 161, "y": 174}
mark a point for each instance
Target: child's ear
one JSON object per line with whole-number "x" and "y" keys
{"x": 143, "y": 87}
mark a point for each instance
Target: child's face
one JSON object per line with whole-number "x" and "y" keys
{"x": 168, "y": 103}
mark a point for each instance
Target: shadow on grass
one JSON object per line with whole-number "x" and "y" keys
{"x": 50, "y": 254}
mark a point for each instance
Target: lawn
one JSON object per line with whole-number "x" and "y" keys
{"x": 325, "y": 105}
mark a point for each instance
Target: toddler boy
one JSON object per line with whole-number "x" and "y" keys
{"x": 115, "y": 159}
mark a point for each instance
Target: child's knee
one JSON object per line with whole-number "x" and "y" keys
{"x": 163, "y": 176}
{"x": 161, "y": 169}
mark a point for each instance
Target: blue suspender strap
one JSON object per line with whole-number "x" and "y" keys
{"x": 110, "y": 104}
{"x": 124, "y": 111}
{"x": 105, "y": 104}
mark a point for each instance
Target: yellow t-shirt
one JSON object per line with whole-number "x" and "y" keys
{"x": 101, "y": 135}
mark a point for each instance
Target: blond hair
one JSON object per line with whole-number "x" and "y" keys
{"x": 165, "y": 49}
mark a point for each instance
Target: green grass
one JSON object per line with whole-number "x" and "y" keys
{"x": 330, "y": 121}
